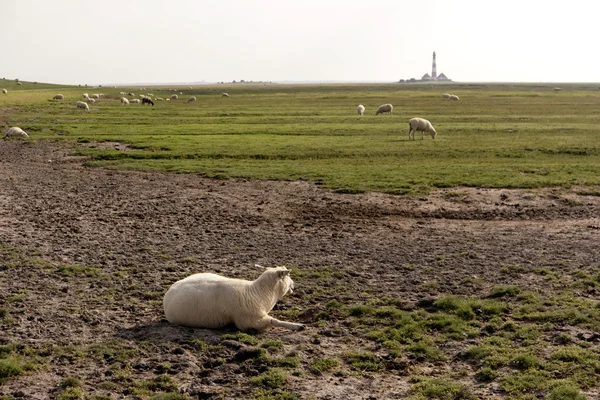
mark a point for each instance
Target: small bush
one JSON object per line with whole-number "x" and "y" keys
{"x": 566, "y": 393}
{"x": 274, "y": 378}
{"x": 320, "y": 365}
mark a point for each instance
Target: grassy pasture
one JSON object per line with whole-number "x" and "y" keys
{"x": 521, "y": 136}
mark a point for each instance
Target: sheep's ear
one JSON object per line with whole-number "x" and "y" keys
{"x": 283, "y": 273}
{"x": 259, "y": 266}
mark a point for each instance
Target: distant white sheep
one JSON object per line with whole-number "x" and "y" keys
{"x": 135, "y": 100}
{"x": 360, "y": 109}
{"x": 225, "y": 95}
{"x": 385, "y": 108}
{"x": 95, "y": 96}
{"x": 58, "y": 97}
{"x": 454, "y": 97}
{"x": 86, "y": 96}
{"x": 90, "y": 100}
{"x": 191, "y": 99}
{"x": 446, "y": 96}
{"x": 4, "y": 91}
{"x": 420, "y": 125}
{"x": 124, "y": 101}
{"x": 174, "y": 97}
{"x": 213, "y": 301}
{"x": 83, "y": 105}
{"x": 15, "y": 131}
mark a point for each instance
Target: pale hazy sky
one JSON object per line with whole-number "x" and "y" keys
{"x": 129, "y": 41}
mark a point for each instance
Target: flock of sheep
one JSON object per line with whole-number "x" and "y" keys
{"x": 414, "y": 125}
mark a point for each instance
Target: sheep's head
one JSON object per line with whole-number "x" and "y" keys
{"x": 283, "y": 283}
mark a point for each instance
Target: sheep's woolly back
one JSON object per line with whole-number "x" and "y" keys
{"x": 360, "y": 109}
{"x": 4, "y": 91}
{"x": 212, "y": 301}
{"x": 193, "y": 98}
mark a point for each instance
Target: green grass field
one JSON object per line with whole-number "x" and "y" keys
{"x": 520, "y": 136}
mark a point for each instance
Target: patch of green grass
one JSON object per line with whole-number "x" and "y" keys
{"x": 162, "y": 383}
{"x": 242, "y": 338}
{"x": 70, "y": 393}
{"x": 441, "y": 389}
{"x": 70, "y": 381}
{"x": 273, "y": 379}
{"x": 363, "y": 361}
{"x": 79, "y": 270}
{"x": 565, "y": 392}
{"x": 505, "y": 291}
{"x": 320, "y": 365}
{"x": 272, "y": 344}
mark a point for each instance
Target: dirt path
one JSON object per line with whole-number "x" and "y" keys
{"x": 143, "y": 231}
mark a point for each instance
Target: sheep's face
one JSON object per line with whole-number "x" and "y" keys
{"x": 285, "y": 284}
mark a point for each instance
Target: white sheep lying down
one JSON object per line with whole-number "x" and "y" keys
{"x": 213, "y": 301}
{"x": 420, "y": 125}
{"x": 15, "y": 131}
{"x": 360, "y": 109}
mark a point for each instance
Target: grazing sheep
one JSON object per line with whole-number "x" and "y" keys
{"x": 86, "y": 96}
{"x": 90, "y": 100}
{"x": 360, "y": 109}
{"x": 454, "y": 97}
{"x": 385, "y": 108}
{"x": 191, "y": 99}
{"x": 19, "y": 83}
{"x": 124, "y": 101}
{"x": 135, "y": 100}
{"x": 446, "y": 96}
{"x": 174, "y": 97}
{"x": 95, "y": 96}
{"x": 15, "y": 131}
{"x": 147, "y": 100}
{"x": 58, "y": 97}
{"x": 159, "y": 99}
{"x": 420, "y": 125}
{"x": 224, "y": 95}
{"x": 557, "y": 89}
{"x": 83, "y": 104}
{"x": 4, "y": 91}
{"x": 214, "y": 301}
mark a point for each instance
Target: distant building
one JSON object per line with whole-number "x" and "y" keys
{"x": 433, "y": 77}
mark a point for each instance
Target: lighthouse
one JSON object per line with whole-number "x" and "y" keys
{"x": 433, "y": 68}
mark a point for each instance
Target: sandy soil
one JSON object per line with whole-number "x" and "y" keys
{"x": 146, "y": 230}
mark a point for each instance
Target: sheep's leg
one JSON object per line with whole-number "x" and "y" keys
{"x": 267, "y": 321}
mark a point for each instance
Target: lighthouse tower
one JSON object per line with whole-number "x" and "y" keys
{"x": 433, "y": 68}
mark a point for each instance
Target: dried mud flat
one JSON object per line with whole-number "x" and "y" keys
{"x": 137, "y": 233}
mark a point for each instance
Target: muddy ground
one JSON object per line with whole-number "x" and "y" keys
{"x": 139, "y": 232}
